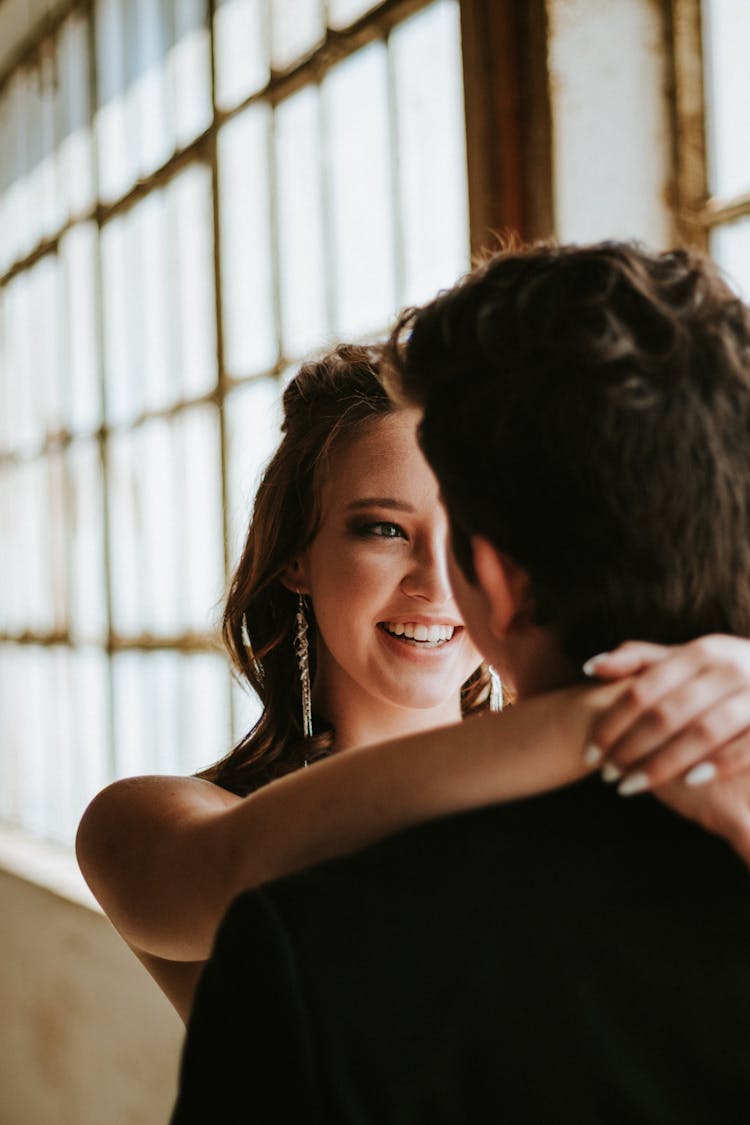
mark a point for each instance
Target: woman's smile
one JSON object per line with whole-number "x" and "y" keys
{"x": 420, "y": 638}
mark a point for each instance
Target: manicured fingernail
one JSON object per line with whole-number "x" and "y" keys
{"x": 610, "y": 772}
{"x": 700, "y": 774}
{"x": 632, "y": 784}
{"x": 592, "y": 755}
{"x": 589, "y": 668}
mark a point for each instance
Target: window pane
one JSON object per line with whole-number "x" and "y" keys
{"x": 28, "y": 150}
{"x": 46, "y": 344}
{"x": 151, "y": 120}
{"x": 156, "y": 237}
{"x": 191, "y": 218}
{"x": 34, "y": 735}
{"x": 11, "y": 556}
{"x": 241, "y": 41}
{"x": 122, "y": 296}
{"x": 78, "y": 250}
{"x": 343, "y": 12}
{"x": 116, "y": 151}
{"x": 12, "y": 732}
{"x": 297, "y": 27}
{"x": 19, "y": 572}
{"x": 52, "y": 201}
{"x": 201, "y": 562}
{"x": 246, "y": 709}
{"x": 59, "y": 762}
{"x": 205, "y": 706}
{"x": 133, "y": 726}
{"x": 75, "y": 154}
{"x": 166, "y": 525}
{"x": 431, "y": 150}
{"x": 253, "y": 420}
{"x": 6, "y": 430}
{"x": 356, "y": 97}
{"x": 730, "y": 247}
{"x": 88, "y": 611}
{"x": 126, "y": 519}
{"x": 160, "y": 694}
{"x": 52, "y": 492}
{"x": 171, "y": 711}
{"x": 42, "y": 728}
{"x": 34, "y": 610}
{"x": 246, "y": 275}
{"x": 159, "y": 503}
{"x": 6, "y": 182}
{"x": 726, "y": 30}
{"x": 190, "y": 69}
{"x": 40, "y": 563}
{"x": 25, "y": 427}
{"x": 90, "y": 690}
{"x": 302, "y": 264}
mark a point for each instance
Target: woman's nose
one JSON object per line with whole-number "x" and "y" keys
{"x": 427, "y": 574}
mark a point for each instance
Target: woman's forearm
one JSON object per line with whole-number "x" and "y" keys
{"x": 356, "y": 798}
{"x": 166, "y": 856}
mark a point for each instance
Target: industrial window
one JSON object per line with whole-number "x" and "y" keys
{"x": 712, "y": 85}
{"x": 192, "y": 197}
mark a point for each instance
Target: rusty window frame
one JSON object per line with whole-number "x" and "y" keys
{"x": 697, "y": 211}
{"x": 503, "y": 51}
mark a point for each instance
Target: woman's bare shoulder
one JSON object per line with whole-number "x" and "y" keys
{"x": 149, "y": 799}
{"x": 142, "y": 846}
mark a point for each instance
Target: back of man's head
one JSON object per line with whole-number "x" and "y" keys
{"x": 587, "y": 409}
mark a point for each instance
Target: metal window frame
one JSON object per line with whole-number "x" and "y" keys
{"x": 507, "y": 97}
{"x": 697, "y": 211}
{"x": 510, "y": 188}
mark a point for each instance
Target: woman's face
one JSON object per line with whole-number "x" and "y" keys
{"x": 390, "y": 635}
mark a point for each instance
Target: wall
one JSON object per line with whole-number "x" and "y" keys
{"x": 85, "y": 1036}
{"x": 609, "y": 83}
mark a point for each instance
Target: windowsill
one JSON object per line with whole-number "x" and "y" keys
{"x": 48, "y": 865}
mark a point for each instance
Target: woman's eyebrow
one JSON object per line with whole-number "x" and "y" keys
{"x": 379, "y": 502}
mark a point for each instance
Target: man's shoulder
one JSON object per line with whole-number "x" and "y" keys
{"x": 571, "y": 842}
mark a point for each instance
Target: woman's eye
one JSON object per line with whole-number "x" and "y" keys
{"x": 382, "y": 530}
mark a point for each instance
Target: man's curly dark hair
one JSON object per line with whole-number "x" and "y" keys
{"x": 587, "y": 409}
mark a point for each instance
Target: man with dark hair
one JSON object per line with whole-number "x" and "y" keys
{"x": 570, "y": 957}
{"x": 587, "y": 413}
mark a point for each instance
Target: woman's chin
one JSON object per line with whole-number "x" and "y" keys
{"x": 423, "y": 698}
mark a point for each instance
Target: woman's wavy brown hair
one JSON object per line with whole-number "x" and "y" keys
{"x": 328, "y": 401}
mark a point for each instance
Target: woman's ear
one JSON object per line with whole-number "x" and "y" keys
{"x": 293, "y": 577}
{"x": 505, "y": 586}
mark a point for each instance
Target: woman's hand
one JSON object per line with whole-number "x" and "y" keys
{"x": 681, "y": 728}
{"x": 685, "y": 714}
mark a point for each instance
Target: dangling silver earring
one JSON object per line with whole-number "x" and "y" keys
{"x": 496, "y": 691}
{"x": 301, "y": 647}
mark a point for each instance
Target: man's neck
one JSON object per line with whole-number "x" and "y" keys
{"x": 533, "y": 663}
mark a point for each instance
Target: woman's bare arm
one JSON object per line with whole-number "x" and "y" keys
{"x": 165, "y": 856}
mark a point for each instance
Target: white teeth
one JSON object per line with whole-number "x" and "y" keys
{"x": 433, "y": 634}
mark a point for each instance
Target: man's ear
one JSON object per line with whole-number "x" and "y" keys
{"x": 504, "y": 584}
{"x": 293, "y": 577}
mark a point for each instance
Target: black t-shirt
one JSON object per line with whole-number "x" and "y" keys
{"x": 570, "y": 957}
